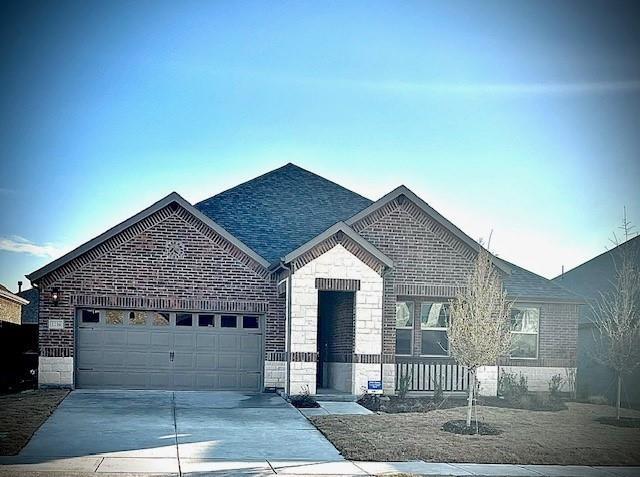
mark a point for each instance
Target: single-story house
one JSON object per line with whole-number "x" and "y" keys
{"x": 286, "y": 281}
{"x": 589, "y": 281}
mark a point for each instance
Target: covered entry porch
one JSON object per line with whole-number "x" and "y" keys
{"x": 335, "y": 321}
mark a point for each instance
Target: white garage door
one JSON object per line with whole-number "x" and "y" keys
{"x": 167, "y": 350}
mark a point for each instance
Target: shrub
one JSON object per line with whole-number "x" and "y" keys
{"x": 404, "y": 383}
{"x": 304, "y": 399}
{"x": 511, "y": 387}
{"x": 555, "y": 383}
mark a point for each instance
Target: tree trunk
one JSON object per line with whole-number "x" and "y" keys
{"x": 618, "y": 396}
{"x": 472, "y": 387}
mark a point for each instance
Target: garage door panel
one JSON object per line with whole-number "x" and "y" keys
{"x": 139, "y": 357}
{"x": 160, "y": 339}
{"x": 249, "y": 362}
{"x": 184, "y": 340}
{"x": 139, "y": 338}
{"x": 90, "y": 358}
{"x": 159, "y": 360}
{"x": 230, "y": 342}
{"x": 251, "y": 342}
{"x": 90, "y": 336}
{"x": 113, "y": 358}
{"x": 206, "y": 341}
{"x": 113, "y": 337}
{"x": 250, "y": 380}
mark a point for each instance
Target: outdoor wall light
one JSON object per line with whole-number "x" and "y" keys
{"x": 55, "y": 296}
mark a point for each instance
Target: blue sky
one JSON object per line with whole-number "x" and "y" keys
{"x": 517, "y": 117}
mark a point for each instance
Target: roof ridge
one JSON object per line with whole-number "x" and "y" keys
{"x": 288, "y": 165}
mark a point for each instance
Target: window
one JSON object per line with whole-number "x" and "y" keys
{"x": 90, "y": 316}
{"x": 137, "y": 318}
{"x": 404, "y": 327}
{"x": 525, "y": 322}
{"x": 228, "y": 321}
{"x": 184, "y": 319}
{"x": 160, "y": 319}
{"x": 206, "y": 320}
{"x": 114, "y": 317}
{"x": 434, "y": 319}
{"x": 250, "y": 322}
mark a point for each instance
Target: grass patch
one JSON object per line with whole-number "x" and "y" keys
{"x": 568, "y": 437}
{"x": 21, "y": 414}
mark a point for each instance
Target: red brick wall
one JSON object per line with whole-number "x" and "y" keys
{"x": 431, "y": 264}
{"x": 141, "y": 273}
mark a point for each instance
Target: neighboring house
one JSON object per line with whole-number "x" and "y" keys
{"x": 590, "y": 280}
{"x": 10, "y": 307}
{"x": 286, "y": 281}
{"x": 12, "y": 336}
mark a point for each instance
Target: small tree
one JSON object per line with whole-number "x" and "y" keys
{"x": 479, "y": 330}
{"x": 616, "y": 318}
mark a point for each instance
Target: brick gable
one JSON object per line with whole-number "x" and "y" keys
{"x": 167, "y": 261}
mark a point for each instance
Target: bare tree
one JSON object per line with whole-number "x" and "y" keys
{"x": 479, "y": 331}
{"x": 616, "y": 318}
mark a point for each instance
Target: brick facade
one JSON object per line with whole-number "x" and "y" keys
{"x": 169, "y": 259}
{"x": 431, "y": 264}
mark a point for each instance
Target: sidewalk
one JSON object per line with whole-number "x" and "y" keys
{"x": 123, "y": 466}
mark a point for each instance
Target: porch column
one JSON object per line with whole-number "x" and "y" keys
{"x": 304, "y": 332}
{"x": 368, "y": 333}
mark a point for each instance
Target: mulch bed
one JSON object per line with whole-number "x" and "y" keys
{"x": 21, "y": 415}
{"x": 633, "y": 422}
{"x": 568, "y": 437}
{"x": 395, "y": 404}
{"x": 459, "y": 426}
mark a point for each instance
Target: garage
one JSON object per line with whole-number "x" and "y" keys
{"x": 134, "y": 349}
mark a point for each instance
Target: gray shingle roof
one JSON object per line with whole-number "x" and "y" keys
{"x": 30, "y": 311}
{"x": 597, "y": 275}
{"x": 277, "y": 212}
{"x": 522, "y": 284}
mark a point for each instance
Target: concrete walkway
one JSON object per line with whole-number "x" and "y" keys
{"x": 141, "y": 466}
{"x": 223, "y": 433}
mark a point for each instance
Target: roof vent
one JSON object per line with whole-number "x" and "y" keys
{"x": 401, "y": 199}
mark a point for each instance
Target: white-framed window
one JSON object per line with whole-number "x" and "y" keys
{"x": 525, "y": 330}
{"x": 404, "y": 327}
{"x": 434, "y": 320}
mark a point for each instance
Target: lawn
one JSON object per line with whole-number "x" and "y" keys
{"x": 21, "y": 415}
{"x": 571, "y": 436}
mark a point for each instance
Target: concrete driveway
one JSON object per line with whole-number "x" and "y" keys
{"x": 178, "y": 426}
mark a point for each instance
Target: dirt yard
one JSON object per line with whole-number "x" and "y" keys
{"x": 528, "y": 437}
{"x": 21, "y": 414}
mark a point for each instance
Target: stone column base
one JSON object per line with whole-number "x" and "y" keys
{"x": 55, "y": 372}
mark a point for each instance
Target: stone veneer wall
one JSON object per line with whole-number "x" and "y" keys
{"x": 336, "y": 263}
